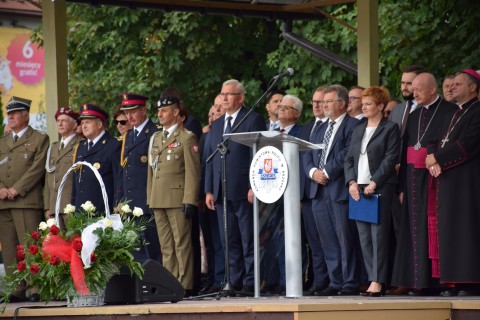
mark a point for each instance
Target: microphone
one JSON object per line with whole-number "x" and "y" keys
{"x": 285, "y": 73}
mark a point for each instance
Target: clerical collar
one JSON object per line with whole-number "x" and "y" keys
{"x": 467, "y": 103}
{"x": 140, "y": 127}
{"x": 434, "y": 101}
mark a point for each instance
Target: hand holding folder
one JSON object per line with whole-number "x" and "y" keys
{"x": 366, "y": 210}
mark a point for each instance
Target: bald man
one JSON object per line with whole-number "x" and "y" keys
{"x": 416, "y": 264}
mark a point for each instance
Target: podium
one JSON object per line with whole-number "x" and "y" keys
{"x": 290, "y": 147}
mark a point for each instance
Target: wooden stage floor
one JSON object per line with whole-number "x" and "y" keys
{"x": 271, "y": 308}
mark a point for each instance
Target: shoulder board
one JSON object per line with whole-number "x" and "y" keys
{"x": 189, "y": 132}
{"x": 159, "y": 126}
{"x": 120, "y": 139}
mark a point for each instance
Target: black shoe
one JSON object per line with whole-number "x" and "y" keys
{"x": 328, "y": 291}
{"x": 205, "y": 289}
{"x": 417, "y": 293}
{"x": 468, "y": 293}
{"x": 15, "y": 299}
{"x": 247, "y": 291}
{"x": 34, "y": 297}
{"x": 452, "y": 292}
{"x": 349, "y": 291}
{"x": 312, "y": 290}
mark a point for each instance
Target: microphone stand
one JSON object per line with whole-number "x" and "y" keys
{"x": 222, "y": 148}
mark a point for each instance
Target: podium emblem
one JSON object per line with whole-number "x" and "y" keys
{"x": 267, "y": 165}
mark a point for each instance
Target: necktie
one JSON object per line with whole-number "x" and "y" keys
{"x": 326, "y": 140}
{"x": 15, "y": 138}
{"x": 315, "y": 126}
{"x": 90, "y": 145}
{"x": 164, "y": 136}
{"x": 282, "y": 130}
{"x": 228, "y": 129}
{"x": 135, "y": 134}
{"x": 408, "y": 108}
{"x": 62, "y": 146}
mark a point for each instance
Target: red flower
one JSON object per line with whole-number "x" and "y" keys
{"x": 54, "y": 230}
{"x": 34, "y": 268}
{"x": 20, "y": 253}
{"x": 21, "y": 266}
{"x": 77, "y": 244}
{"x": 36, "y": 235}
{"x": 33, "y": 249}
{"x": 93, "y": 257}
{"x": 55, "y": 261}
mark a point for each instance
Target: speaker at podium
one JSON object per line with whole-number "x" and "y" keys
{"x": 157, "y": 285}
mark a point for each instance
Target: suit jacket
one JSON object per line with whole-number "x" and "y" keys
{"x": 335, "y": 160}
{"x": 382, "y": 151}
{"x": 134, "y": 167}
{"x": 104, "y": 155}
{"x": 174, "y": 170}
{"x": 22, "y": 167}
{"x": 397, "y": 114}
{"x": 59, "y": 161}
{"x": 237, "y": 161}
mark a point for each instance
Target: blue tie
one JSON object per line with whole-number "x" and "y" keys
{"x": 326, "y": 140}
{"x": 228, "y": 129}
{"x": 90, "y": 145}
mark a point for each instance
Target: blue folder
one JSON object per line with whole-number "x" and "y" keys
{"x": 366, "y": 210}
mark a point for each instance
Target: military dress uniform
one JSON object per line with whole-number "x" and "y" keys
{"x": 133, "y": 176}
{"x": 22, "y": 167}
{"x": 174, "y": 180}
{"x": 104, "y": 156}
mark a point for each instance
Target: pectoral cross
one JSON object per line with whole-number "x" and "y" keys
{"x": 444, "y": 141}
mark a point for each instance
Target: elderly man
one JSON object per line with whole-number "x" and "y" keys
{"x": 173, "y": 186}
{"x": 239, "y": 195}
{"x": 59, "y": 160}
{"x": 456, "y": 161}
{"x": 101, "y": 150}
{"x": 134, "y": 166}
{"x": 22, "y": 169}
{"x": 416, "y": 261}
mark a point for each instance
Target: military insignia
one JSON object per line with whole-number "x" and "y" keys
{"x": 168, "y": 158}
{"x": 169, "y": 151}
{"x": 96, "y": 165}
{"x": 143, "y": 159}
{"x": 62, "y": 110}
{"x": 27, "y": 144}
{"x": 104, "y": 141}
{"x": 85, "y": 107}
{"x": 147, "y": 131}
{"x": 195, "y": 148}
{"x": 177, "y": 157}
{"x": 125, "y": 97}
{"x": 159, "y": 127}
{"x": 174, "y": 145}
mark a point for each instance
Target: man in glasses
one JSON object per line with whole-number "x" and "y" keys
{"x": 134, "y": 165}
{"x": 354, "y": 108}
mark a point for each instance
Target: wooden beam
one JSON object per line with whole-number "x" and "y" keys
{"x": 367, "y": 43}
{"x": 301, "y": 7}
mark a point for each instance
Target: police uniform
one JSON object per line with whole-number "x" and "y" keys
{"x": 104, "y": 156}
{"x": 133, "y": 181}
{"x": 22, "y": 167}
{"x": 59, "y": 160}
{"x": 173, "y": 182}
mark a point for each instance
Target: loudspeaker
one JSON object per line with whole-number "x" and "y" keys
{"x": 157, "y": 285}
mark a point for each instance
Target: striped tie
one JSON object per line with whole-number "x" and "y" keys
{"x": 326, "y": 140}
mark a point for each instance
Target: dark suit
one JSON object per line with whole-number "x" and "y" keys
{"x": 330, "y": 207}
{"x": 133, "y": 183}
{"x": 104, "y": 155}
{"x": 240, "y": 222}
{"x": 382, "y": 151}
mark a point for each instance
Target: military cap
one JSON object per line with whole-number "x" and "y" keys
{"x": 89, "y": 110}
{"x": 132, "y": 101}
{"x": 167, "y": 101}
{"x": 68, "y": 112}
{"x": 16, "y": 104}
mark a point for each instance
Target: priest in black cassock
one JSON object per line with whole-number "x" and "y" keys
{"x": 456, "y": 162}
{"x": 416, "y": 259}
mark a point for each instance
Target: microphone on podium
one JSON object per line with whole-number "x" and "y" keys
{"x": 285, "y": 73}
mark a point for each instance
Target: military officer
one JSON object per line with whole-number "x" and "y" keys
{"x": 22, "y": 168}
{"x": 173, "y": 188}
{"x": 59, "y": 160}
{"x": 101, "y": 150}
{"x": 134, "y": 162}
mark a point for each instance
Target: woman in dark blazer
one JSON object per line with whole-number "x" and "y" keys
{"x": 370, "y": 168}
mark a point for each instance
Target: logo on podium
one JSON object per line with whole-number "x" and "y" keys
{"x": 268, "y": 174}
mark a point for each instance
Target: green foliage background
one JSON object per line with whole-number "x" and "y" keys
{"x": 113, "y": 50}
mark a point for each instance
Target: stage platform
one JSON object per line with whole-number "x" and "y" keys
{"x": 271, "y": 308}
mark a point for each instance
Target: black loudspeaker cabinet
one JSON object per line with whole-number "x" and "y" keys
{"x": 157, "y": 285}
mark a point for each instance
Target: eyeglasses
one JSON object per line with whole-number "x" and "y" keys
{"x": 122, "y": 122}
{"x": 332, "y": 101}
{"x": 352, "y": 98}
{"x": 314, "y": 102}
{"x": 284, "y": 106}
{"x": 229, "y": 94}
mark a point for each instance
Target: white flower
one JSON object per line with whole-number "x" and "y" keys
{"x": 137, "y": 212}
{"x": 51, "y": 222}
{"x": 69, "y": 209}
{"x": 88, "y": 207}
{"x": 43, "y": 226}
{"x": 126, "y": 208}
{"x": 107, "y": 222}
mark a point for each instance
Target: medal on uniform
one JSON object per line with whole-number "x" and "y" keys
{"x": 96, "y": 165}
{"x": 177, "y": 157}
{"x": 169, "y": 151}
{"x": 143, "y": 159}
{"x": 25, "y": 156}
{"x": 168, "y": 157}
